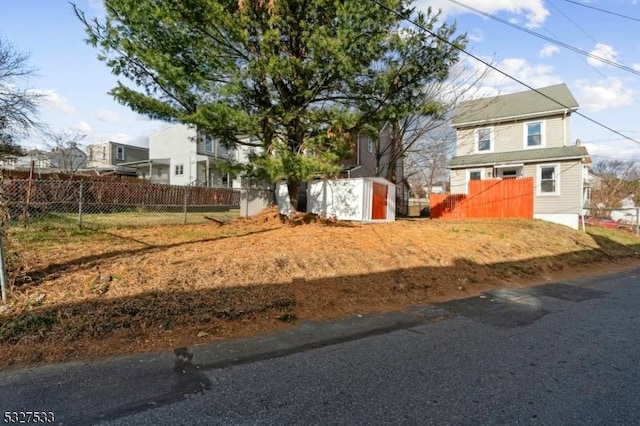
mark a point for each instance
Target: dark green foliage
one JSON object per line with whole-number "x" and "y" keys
{"x": 300, "y": 76}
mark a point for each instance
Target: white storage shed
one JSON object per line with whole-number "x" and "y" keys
{"x": 366, "y": 199}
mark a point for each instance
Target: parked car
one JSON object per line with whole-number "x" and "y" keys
{"x": 606, "y": 222}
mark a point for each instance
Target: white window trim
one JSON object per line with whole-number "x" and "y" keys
{"x": 178, "y": 167}
{"x": 525, "y": 134}
{"x": 499, "y": 170}
{"x": 539, "y": 180}
{"x": 204, "y": 144}
{"x": 469, "y": 171}
{"x": 369, "y": 146}
{"x": 120, "y": 153}
{"x": 476, "y": 140}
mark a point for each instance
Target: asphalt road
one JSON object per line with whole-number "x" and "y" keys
{"x": 558, "y": 354}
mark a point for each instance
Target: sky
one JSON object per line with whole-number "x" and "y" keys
{"x": 76, "y": 83}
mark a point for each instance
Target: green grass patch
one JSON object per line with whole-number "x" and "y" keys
{"x": 55, "y": 228}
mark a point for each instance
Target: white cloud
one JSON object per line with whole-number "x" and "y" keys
{"x": 533, "y": 75}
{"x": 636, "y": 67}
{"x": 609, "y": 93}
{"x": 52, "y": 99}
{"x": 603, "y": 51}
{"x": 108, "y": 116}
{"x": 533, "y": 11}
{"x": 548, "y": 50}
{"x": 82, "y": 127}
{"x": 120, "y": 137}
{"x": 476, "y": 36}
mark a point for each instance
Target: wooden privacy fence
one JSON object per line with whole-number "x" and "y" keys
{"x": 512, "y": 198}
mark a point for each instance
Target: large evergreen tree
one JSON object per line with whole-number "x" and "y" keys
{"x": 299, "y": 75}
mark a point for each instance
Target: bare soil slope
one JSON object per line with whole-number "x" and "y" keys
{"x": 153, "y": 289}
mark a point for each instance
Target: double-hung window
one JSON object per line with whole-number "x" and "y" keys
{"x": 208, "y": 144}
{"x": 179, "y": 169}
{"x": 120, "y": 153}
{"x": 534, "y": 134}
{"x": 484, "y": 140}
{"x": 548, "y": 179}
{"x": 369, "y": 145}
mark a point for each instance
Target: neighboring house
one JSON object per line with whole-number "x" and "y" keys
{"x": 58, "y": 160}
{"x": 39, "y": 159}
{"x": 524, "y": 134}
{"x": 180, "y": 155}
{"x": 68, "y": 159}
{"x": 109, "y": 157}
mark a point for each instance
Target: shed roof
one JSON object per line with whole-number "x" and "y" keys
{"x": 573, "y": 152}
{"x": 531, "y": 103}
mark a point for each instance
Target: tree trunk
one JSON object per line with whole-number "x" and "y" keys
{"x": 293, "y": 186}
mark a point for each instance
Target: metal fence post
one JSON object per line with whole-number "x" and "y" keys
{"x": 80, "y": 205}
{"x": 3, "y": 273}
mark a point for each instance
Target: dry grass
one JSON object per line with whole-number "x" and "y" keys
{"x": 108, "y": 292}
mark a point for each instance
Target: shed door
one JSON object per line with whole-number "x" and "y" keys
{"x": 379, "y": 207}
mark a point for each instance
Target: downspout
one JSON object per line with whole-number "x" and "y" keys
{"x": 564, "y": 129}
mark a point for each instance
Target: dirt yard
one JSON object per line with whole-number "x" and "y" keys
{"x": 95, "y": 294}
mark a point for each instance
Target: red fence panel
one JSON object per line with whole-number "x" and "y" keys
{"x": 512, "y": 198}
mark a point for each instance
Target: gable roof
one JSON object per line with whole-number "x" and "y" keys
{"x": 573, "y": 152}
{"x": 532, "y": 103}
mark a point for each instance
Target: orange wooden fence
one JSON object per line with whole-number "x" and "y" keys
{"x": 486, "y": 198}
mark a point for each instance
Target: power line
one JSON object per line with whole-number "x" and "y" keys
{"x": 603, "y": 10}
{"x": 586, "y": 61}
{"x": 549, "y": 39}
{"x": 573, "y": 22}
{"x": 493, "y": 67}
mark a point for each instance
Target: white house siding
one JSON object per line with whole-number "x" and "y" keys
{"x": 178, "y": 143}
{"x": 459, "y": 182}
{"x": 569, "y": 200}
{"x": 565, "y": 207}
{"x": 510, "y": 136}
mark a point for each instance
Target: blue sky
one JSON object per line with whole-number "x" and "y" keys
{"x": 76, "y": 83}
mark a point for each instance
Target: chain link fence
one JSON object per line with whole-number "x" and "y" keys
{"x": 114, "y": 203}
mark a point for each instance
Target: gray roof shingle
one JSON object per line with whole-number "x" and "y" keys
{"x": 531, "y": 103}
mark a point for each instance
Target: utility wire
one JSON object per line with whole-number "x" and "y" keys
{"x": 573, "y": 22}
{"x": 549, "y": 39}
{"x": 586, "y": 61}
{"x": 603, "y": 10}
{"x": 493, "y": 67}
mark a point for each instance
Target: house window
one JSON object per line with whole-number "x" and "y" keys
{"x": 104, "y": 152}
{"x": 548, "y": 180}
{"x": 370, "y": 145}
{"x": 208, "y": 143}
{"x": 179, "y": 169}
{"x": 120, "y": 153}
{"x": 484, "y": 141}
{"x": 475, "y": 174}
{"x": 508, "y": 172}
{"x": 534, "y": 134}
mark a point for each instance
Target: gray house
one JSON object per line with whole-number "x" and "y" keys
{"x": 371, "y": 157}
{"x": 109, "y": 156}
{"x": 524, "y": 134}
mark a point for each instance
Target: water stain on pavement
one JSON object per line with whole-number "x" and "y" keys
{"x": 516, "y": 307}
